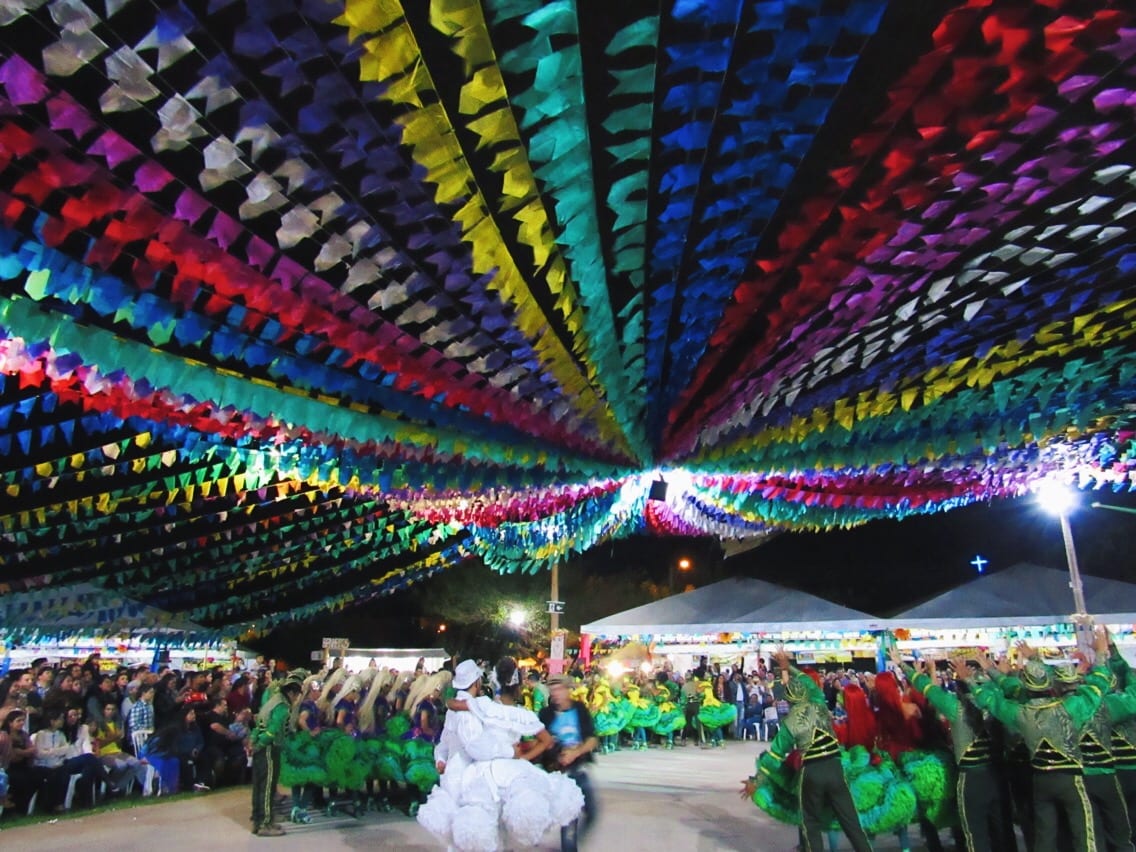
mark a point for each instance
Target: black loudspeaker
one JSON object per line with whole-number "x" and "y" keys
{"x": 658, "y": 490}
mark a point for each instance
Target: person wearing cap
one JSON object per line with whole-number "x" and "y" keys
{"x": 1124, "y": 733}
{"x": 981, "y": 791}
{"x": 272, "y": 723}
{"x": 1051, "y": 727}
{"x": 571, "y": 725}
{"x": 1111, "y": 820}
{"x": 467, "y": 683}
{"x": 822, "y": 787}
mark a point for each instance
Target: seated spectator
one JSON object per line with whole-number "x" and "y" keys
{"x": 25, "y": 779}
{"x": 16, "y": 753}
{"x": 107, "y": 739}
{"x": 754, "y": 716}
{"x": 182, "y": 742}
{"x": 224, "y": 753}
{"x": 242, "y": 725}
{"x": 63, "y": 755}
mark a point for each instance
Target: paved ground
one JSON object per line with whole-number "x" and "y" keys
{"x": 651, "y": 801}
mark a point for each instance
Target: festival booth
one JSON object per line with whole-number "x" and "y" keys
{"x": 69, "y": 623}
{"x": 399, "y": 659}
{"x": 1027, "y": 602}
{"x": 737, "y": 618}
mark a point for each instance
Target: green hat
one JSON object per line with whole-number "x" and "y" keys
{"x": 1036, "y": 677}
{"x": 296, "y": 677}
{"x": 1065, "y": 674}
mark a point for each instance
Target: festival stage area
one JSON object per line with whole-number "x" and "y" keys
{"x": 650, "y": 802}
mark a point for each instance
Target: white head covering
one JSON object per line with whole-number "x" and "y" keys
{"x": 466, "y": 674}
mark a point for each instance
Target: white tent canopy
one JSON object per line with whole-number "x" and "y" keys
{"x": 1023, "y": 594}
{"x": 735, "y": 605}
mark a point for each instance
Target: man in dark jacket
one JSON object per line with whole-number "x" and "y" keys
{"x": 572, "y": 727}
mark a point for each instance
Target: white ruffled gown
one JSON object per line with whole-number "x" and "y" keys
{"x": 486, "y": 799}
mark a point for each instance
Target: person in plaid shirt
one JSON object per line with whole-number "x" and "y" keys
{"x": 142, "y": 711}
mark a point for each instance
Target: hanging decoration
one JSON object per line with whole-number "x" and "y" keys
{"x": 302, "y": 303}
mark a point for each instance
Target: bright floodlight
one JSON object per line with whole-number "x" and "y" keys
{"x": 517, "y": 618}
{"x": 1055, "y": 498}
{"x": 684, "y": 563}
{"x": 616, "y": 669}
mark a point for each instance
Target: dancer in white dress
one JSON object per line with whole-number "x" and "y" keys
{"x": 487, "y": 795}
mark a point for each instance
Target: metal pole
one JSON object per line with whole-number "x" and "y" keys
{"x": 554, "y": 619}
{"x": 1074, "y": 570}
{"x": 1082, "y": 621}
{"x": 555, "y": 635}
{"x": 1113, "y": 508}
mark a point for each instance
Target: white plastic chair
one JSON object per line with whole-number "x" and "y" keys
{"x": 138, "y": 739}
{"x": 71, "y": 785}
{"x": 772, "y": 721}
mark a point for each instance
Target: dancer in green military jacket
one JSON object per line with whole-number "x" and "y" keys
{"x": 821, "y": 785}
{"x": 1124, "y": 736}
{"x": 1051, "y": 727}
{"x": 983, "y": 803}
{"x": 1110, "y": 813}
{"x": 272, "y": 723}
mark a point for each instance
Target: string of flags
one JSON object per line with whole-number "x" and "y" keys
{"x": 304, "y": 302}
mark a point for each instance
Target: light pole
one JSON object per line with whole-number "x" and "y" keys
{"x": 1058, "y": 500}
{"x": 556, "y": 635}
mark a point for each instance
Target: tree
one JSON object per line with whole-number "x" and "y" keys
{"x": 475, "y": 603}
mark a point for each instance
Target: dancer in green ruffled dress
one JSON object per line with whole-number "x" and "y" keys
{"x": 671, "y": 718}
{"x": 302, "y": 764}
{"x": 644, "y": 715}
{"x": 608, "y": 718}
{"x": 714, "y": 715}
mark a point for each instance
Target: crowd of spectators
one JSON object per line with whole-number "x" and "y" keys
{"x": 102, "y": 731}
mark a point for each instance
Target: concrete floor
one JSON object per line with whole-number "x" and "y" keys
{"x": 652, "y": 801}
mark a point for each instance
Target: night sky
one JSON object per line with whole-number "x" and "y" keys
{"x": 881, "y": 567}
